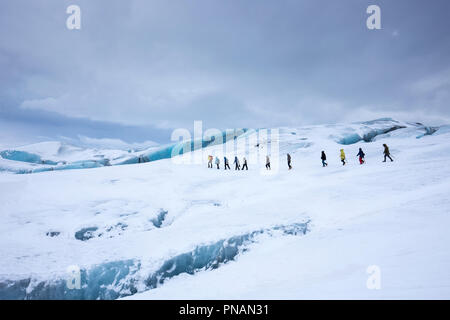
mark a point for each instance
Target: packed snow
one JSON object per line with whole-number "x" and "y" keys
{"x": 175, "y": 229}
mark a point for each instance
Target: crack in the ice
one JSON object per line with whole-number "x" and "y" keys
{"x": 112, "y": 280}
{"x": 159, "y": 219}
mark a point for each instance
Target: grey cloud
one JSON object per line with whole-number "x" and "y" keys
{"x": 233, "y": 63}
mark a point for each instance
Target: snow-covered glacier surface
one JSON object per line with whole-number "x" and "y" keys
{"x": 51, "y": 156}
{"x": 174, "y": 229}
{"x": 111, "y": 280}
{"x": 54, "y": 155}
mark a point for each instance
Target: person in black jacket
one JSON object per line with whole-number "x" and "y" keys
{"x": 289, "y": 161}
{"x": 268, "y": 163}
{"x": 244, "y": 165}
{"x": 324, "y": 159}
{"x": 361, "y": 156}
{"x": 386, "y": 153}
{"x": 236, "y": 163}
{"x": 226, "y": 164}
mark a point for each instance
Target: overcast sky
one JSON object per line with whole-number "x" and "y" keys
{"x": 139, "y": 68}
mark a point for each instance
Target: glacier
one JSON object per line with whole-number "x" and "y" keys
{"x": 169, "y": 229}
{"x": 120, "y": 158}
{"x": 368, "y": 131}
{"x": 23, "y": 162}
{"x": 24, "y": 157}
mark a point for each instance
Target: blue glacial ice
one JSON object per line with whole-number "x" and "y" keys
{"x": 109, "y": 280}
{"x": 85, "y": 233}
{"x": 112, "y": 280}
{"x": 88, "y": 233}
{"x": 369, "y": 131}
{"x": 367, "y": 134}
{"x": 182, "y": 147}
{"x": 153, "y": 154}
{"x": 24, "y": 156}
{"x": 159, "y": 219}
{"x": 428, "y": 132}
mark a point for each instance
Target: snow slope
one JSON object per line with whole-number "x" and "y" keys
{"x": 55, "y": 155}
{"x": 174, "y": 229}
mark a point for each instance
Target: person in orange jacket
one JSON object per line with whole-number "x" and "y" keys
{"x": 210, "y": 161}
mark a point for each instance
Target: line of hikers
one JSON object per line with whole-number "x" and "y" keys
{"x": 360, "y": 155}
{"x": 236, "y": 163}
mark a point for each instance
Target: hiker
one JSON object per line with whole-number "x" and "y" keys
{"x": 361, "y": 156}
{"x": 218, "y": 162}
{"x": 237, "y": 165}
{"x": 210, "y": 160}
{"x": 343, "y": 157}
{"x": 244, "y": 165}
{"x": 289, "y": 161}
{"x": 324, "y": 159}
{"x": 268, "y": 163}
{"x": 225, "y": 162}
{"x": 386, "y": 152}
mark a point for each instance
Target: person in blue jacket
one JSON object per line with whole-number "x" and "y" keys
{"x": 217, "y": 163}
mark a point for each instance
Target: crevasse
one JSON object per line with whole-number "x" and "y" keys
{"x": 112, "y": 280}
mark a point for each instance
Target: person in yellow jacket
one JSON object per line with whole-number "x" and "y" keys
{"x": 343, "y": 157}
{"x": 210, "y": 160}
